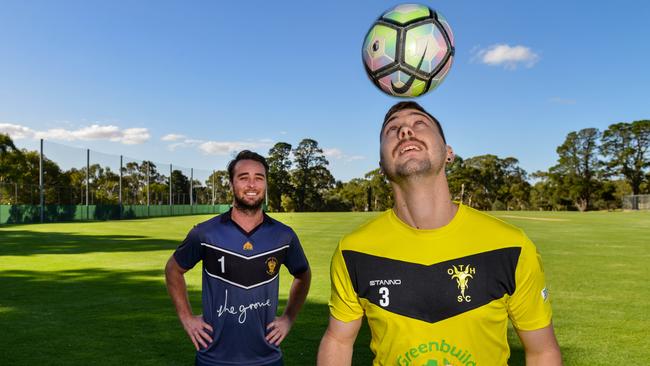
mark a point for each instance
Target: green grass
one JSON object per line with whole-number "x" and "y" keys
{"x": 93, "y": 293}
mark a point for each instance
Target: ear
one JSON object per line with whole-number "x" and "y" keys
{"x": 450, "y": 154}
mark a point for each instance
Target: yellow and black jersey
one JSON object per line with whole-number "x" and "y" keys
{"x": 439, "y": 297}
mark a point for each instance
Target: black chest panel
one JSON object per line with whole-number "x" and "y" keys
{"x": 435, "y": 292}
{"x": 242, "y": 271}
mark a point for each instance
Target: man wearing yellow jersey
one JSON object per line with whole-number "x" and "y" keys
{"x": 436, "y": 280}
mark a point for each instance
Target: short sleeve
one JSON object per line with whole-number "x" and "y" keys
{"x": 296, "y": 262}
{"x": 344, "y": 303}
{"x": 529, "y": 306}
{"x": 189, "y": 253}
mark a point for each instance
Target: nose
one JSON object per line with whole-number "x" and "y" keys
{"x": 405, "y": 132}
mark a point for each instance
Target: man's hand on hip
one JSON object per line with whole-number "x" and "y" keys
{"x": 278, "y": 329}
{"x": 198, "y": 330}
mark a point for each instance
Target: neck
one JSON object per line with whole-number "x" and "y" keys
{"x": 247, "y": 219}
{"x": 424, "y": 202}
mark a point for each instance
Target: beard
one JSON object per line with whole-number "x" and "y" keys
{"x": 413, "y": 168}
{"x": 248, "y": 206}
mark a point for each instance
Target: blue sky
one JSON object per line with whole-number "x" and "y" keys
{"x": 190, "y": 82}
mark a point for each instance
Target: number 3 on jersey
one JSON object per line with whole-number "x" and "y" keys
{"x": 384, "y": 301}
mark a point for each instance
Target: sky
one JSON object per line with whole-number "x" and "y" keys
{"x": 191, "y": 82}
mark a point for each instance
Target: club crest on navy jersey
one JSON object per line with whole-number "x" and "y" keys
{"x": 248, "y": 246}
{"x": 271, "y": 265}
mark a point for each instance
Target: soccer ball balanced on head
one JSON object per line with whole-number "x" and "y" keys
{"x": 408, "y": 51}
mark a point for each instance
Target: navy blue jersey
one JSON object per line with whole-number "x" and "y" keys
{"x": 240, "y": 285}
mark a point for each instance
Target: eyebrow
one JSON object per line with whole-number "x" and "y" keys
{"x": 247, "y": 173}
{"x": 394, "y": 116}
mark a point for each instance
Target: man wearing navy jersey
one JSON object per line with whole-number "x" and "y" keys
{"x": 242, "y": 251}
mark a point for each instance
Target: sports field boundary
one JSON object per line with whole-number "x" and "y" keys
{"x": 28, "y": 214}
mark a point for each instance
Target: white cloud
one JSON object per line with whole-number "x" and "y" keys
{"x": 227, "y": 147}
{"x": 172, "y": 137}
{"x": 208, "y": 147}
{"x": 507, "y": 56}
{"x": 564, "y": 101}
{"x": 338, "y": 154}
{"x": 127, "y": 136}
{"x": 333, "y": 153}
{"x": 356, "y": 157}
{"x": 135, "y": 136}
{"x": 16, "y": 132}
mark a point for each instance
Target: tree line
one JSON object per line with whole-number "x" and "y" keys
{"x": 594, "y": 170}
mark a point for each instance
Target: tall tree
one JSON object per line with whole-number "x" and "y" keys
{"x": 380, "y": 195}
{"x": 222, "y": 192}
{"x": 578, "y": 166}
{"x": 279, "y": 179}
{"x": 180, "y": 187}
{"x": 489, "y": 182}
{"x": 627, "y": 145}
{"x": 12, "y": 161}
{"x": 310, "y": 177}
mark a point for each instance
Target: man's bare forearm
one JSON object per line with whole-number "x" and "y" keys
{"x": 334, "y": 353}
{"x": 177, "y": 289}
{"x": 298, "y": 294}
{"x": 551, "y": 357}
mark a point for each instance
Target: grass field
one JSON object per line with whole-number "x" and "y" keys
{"x": 93, "y": 293}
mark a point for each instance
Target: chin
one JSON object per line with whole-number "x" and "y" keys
{"x": 413, "y": 168}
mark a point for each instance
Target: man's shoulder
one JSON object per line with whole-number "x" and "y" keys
{"x": 279, "y": 225}
{"x": 377, "y": 226}
{"x": 490, "y": 224}
{"x": 213, "y": 223}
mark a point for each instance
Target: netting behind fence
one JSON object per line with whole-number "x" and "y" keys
{"x": 82, "y": 184}
{"x": 636, "y": 202}
{"x": 24, "y": 214}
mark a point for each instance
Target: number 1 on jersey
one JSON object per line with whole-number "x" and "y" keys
{"x": 222, "y": 260}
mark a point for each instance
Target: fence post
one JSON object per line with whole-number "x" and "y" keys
{"x": 87, "y": 183}
{"x": 120, "y": 194}
{"x": 191, "y": 190}
{"x": 40, "y": 182}
{"x": 214, "y": 190}
{"x": 148, "y": 187}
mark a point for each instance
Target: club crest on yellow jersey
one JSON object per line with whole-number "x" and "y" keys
{"x": 462, "y": 275}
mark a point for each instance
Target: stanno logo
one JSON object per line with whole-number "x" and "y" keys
{"x": 462, "y": 274}
{"x": 385, "y": 282}
{"x": 544, "y": 294}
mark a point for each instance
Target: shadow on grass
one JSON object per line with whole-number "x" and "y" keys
{"x": 301, "y": 346}
{"x": 25, "y": 242}
{"x": 90, "y": 316}
{"x": 113, "y": 317}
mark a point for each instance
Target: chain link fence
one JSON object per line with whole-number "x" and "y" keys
{"x": 83, "y": 184}
{"x": 636, "y": 202}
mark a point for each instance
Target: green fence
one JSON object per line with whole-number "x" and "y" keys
{"x": 25, "y": 214}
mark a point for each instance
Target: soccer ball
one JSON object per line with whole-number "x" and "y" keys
{"x": 409, "y": 50}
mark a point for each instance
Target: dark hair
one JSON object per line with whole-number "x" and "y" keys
{"x": 409, "y": 104}
{"x": 247, "y": 155}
